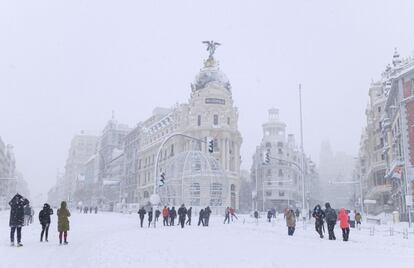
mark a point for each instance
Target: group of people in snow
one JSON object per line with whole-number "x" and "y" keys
{"x": 17, "y": 220}
{"x": 347, "y": 220}
{"x": 86, "y": 209}
{"x": 168, "y": 214}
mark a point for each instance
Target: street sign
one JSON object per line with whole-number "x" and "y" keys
{"x": 368, "y": 201}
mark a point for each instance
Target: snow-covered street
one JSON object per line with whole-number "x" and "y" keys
{"x": 114, "y": 240}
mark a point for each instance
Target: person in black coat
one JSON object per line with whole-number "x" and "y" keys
{"x": 189, "y": 216}
{"x": 182, "y": 213}
{"x": 269, "y": 215}
{"x": 201, "y": 217}
{"x": 16, "y": 222}
{"x": 141, "y": 213}
{"x": 207, "y": 212}
{"x": 173, "y": 215}
{"x": 157, "y": 214}
{"x": 319, "y": 216}
{"x": 44, "y": 219}
{"x": 331, "y": 217}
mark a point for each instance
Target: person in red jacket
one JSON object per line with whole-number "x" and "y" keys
{"x": 344, "y": 223}
{"x": 165, "y": 215}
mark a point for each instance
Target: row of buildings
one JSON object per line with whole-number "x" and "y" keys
{"x": 385, "y": 164}
{"x": 11, "y": 181}
{"x": 189, "y": 153}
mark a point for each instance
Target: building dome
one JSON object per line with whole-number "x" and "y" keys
{"x": 194, "y": 178}
{"x": 211, "y": 73}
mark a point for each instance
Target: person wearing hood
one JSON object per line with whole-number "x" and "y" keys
{"x": 63, "y": 215}
{"x": 44, "y": 219}
{"x": 331, "y": 217}
{"x": 182, "y": 213}
{"x": 344, "y": 223}
{"x": 319, "y": 216}
{"x": 16, "y": 222}
{"x": 291, "y": 221}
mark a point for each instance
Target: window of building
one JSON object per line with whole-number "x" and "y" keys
{"x": 281, "y": 193}
{"x": 280, "y": 173}
{"x": 279, "y": 151}
{"x": 215, "y": 120}
{"x": 379, "y": 109}
{"x": 268, "y": 193}
{"x": 199, "y": 120}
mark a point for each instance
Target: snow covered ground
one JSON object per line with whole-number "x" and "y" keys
{"x": 114, "y": 240}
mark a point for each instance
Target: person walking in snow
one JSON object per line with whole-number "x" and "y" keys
{"x": 344, "y": 223}
{"x": 96, "y": 209}
{"x": 173, "y": 215}
{"x": 269, "y": 215}
{"x": 189, "y": 211}
{"x": 165, "y": 215}
{"x": 44, "y": 219}
{"x": 256, "y": 216}
{"x": 16, "y": 222}
{"x": 201, "y": 217}
{"x": 319, "y": 216}
{"x": 331, "y": 217}
{"x": 63, "y": 222}
{"x": 227, "y": 215}
{"x": 351, "y": 219}
{"x": 157, "y": 214}
{"x": 149, "y": 217}
{"x": 358, "y": 219}
{"x": 233, "y": 214}
{"x": 291, "y": 221}
{"x": 207, "y": 213}
{"x": 182, "y": 213}
{"x": 141, "y": 213}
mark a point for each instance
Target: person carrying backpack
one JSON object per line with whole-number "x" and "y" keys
{"x": 331, "y": 217}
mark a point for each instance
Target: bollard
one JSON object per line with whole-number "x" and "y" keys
{"x": 391, "y": 231}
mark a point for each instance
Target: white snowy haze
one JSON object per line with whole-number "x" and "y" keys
{"x": 65, "y": 65}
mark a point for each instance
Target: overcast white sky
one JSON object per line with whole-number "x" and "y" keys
{"x": 65, "y": 65}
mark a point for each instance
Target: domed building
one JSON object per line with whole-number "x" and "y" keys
{"x": 193, "y": 175}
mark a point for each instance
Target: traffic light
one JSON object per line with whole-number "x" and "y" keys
{"x": 162, "y": 180}
{"x": 210, "y": 145}
{"x": 266, "y": 157}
